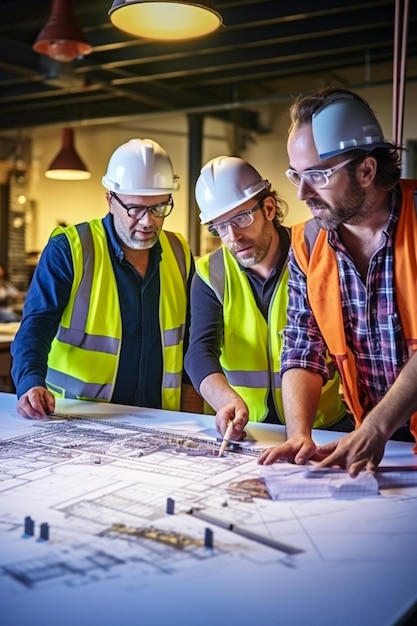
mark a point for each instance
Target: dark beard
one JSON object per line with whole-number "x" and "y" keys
{"x": 354, "y": 210}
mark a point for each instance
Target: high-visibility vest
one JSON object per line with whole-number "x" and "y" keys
{"x": 251, "y": 347}
{"x": 84, "y": 356}
{"x": 318, "y": 262}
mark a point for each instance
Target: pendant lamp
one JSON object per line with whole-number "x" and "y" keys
{"x": 168, "y": 20}
{"x": 67, "y": 165}
{"x": 61, "y": 38}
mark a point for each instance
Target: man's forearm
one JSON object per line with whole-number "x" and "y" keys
{"x": 301, "y": 391}
{"x": 217, "y": 392}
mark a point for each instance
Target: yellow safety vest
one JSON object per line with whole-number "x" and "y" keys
{"x": 318, "y": 261}
{"x": 84, "y": 356}
{"x": 251, "y": 348}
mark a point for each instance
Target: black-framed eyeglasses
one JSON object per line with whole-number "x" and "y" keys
{"x": 241, "y": 220}
{"x": 137, "y": 211}
{"x": 317, "y": 179}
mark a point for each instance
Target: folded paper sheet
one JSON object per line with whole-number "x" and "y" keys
{"x": 285, "y": 481}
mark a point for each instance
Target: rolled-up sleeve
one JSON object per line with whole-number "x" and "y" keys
{"x": 303, "y": 343}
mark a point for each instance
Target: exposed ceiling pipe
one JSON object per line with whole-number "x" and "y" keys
{"x": 399, "y": 69}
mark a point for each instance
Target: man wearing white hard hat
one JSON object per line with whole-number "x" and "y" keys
{"x": 239, "y": 301}
{"x": 353, "y": 271}
{"x": 107, "y": 311}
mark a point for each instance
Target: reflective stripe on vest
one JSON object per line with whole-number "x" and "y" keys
{"x": 84, "y": 355}
{"x": 83, "y": 359}
{"x": 317, "y": 260}
{"x": 174, "y": 270}
{"x": 248, "y": 340}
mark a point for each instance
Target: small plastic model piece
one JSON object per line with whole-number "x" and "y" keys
{"x": 29, "y": 526}
{"x": 208, "y": 538}
{"x": 44, "y": 531}
{"x": 170, "y": 506}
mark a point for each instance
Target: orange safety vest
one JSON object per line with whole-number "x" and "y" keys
{"x": 318, "y": 262}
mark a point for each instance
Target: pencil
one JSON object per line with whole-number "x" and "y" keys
{"x": 226, "y": 438}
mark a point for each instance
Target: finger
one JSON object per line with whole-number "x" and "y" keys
{"x": 355, "y": 468}
{"x": 332, "y": 460}
{"x": 327, "y": 448}
{"x": 49, "y": 403}
{"x": 38, "y": 409}
{"x": 319, "y": 456}
{"x": 302, "y": 457}
{"x": 239, "y": 424}
{"x": 240, "y": 420}
{"x": 305, "y": 452}
{"x": 234, "y": 434}
{"x": 237, "y": 435}
{"x": 32, "y": 408}
{"x": 323, "y": 452}
{"x": 28, "y": 412}
{"x": 270, "y": 455}
{"x": 371, "y": 466}
{"x": 223, "y": 417}
{"x": 22, "y": 412}
{"x": 266, "y": 458}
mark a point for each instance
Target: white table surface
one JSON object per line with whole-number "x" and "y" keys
{"x": 357, "y": 561}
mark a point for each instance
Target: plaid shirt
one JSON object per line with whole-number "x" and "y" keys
{"x": 370, "y": 314}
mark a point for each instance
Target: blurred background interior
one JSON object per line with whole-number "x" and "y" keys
{"x": 73, "y": 78}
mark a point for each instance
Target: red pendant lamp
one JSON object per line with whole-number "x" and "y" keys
{"x": 61, "y": 38}
{"x": 68, "y": 165}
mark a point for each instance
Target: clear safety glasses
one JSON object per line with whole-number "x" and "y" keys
{"x": 241, "y": 220}
{"x": 317, "y": 179}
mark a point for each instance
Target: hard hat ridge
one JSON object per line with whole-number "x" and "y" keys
{"x": 140, "y": 167}
{"x": 345, "y": 123}
{"x": 224, "y": 183}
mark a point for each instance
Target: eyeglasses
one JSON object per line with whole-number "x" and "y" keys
{"x": 137, "y": 211}
{"x": 317, "y": 179}
{"x": 241, "y": 220}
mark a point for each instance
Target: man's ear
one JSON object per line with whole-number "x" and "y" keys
{"x": 108, "y": 198}
{"x": 269, "y": 206}
{"x": 366, "y": 171}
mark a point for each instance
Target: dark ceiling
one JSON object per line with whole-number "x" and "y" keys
{"x": 263, "y": 45}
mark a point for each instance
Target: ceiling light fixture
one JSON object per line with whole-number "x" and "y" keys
{"x": 170, "y": 20}
{"x": 61, "y": 38}
{"x": 67, "y": 165}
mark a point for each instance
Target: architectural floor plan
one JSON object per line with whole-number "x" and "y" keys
{"x": 139, "y": 507}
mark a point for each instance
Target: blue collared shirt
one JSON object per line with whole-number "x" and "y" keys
{"x": 139, "y": 375}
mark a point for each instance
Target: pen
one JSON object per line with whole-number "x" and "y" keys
{"x": 226, "y": 437}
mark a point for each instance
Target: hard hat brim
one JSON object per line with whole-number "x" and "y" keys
{"x": 364, "y": 147}
{"x": 112, "y": 186}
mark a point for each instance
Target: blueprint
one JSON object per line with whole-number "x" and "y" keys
{"x": 134, "y": 514}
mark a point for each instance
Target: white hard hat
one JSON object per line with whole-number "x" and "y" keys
{"x": 140, "y": 167}
{"x": 224, "y": 183}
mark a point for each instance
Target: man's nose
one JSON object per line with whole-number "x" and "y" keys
{"x": 146, "y": 219}
{"x": 305, "y": 190}
{"x": 231, "y": 232}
